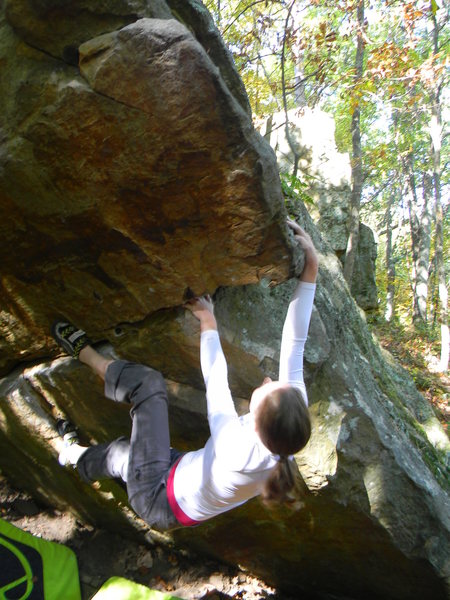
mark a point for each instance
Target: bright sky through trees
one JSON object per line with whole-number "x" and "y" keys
{"x": 302, "y": 52}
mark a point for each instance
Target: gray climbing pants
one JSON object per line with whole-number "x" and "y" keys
{"x": 145, "y": 460}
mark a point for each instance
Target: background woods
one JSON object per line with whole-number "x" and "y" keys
{"x": 379, "y": 68}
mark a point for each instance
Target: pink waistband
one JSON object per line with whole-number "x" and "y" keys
{"x": 180, "y": 515}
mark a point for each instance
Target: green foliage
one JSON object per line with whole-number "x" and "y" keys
{"x": 284, "y": 47}
{"x": 294, "y": 188}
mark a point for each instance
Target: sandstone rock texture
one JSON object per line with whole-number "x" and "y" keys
{"x": 130, "y": 177}
{"x": 127, "y": 181}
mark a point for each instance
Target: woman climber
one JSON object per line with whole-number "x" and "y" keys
{"x": 244, "y": 457}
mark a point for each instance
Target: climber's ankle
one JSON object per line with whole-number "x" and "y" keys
{"x": 98, "y": 363}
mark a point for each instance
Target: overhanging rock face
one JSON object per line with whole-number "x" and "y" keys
{"x": 126, "y": 182}
{"x": 130, "y": 175}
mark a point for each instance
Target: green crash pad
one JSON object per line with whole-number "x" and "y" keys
{"x": 118, "y": 588}
{"x": 35, "y": 569}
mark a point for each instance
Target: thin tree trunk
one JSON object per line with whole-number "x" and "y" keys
{"x": 436, "y": 142}
{"x": 289, "y": 138}
{"x": 357, "y": 168}
{"x": 423, "y": 258}
{"x": 439, "y": 245}
{"x": 299, "y": 74}
{"x": 389, "y": 312}
{"x": 417, "y": 272}
{"x": 442, "y": 286}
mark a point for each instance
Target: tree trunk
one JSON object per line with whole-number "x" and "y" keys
{"x": 423, "y": 259}
{"x": 357, "y": 170}
{"x": 436, "y": 142}
{"x": 420, "y": 227}
{"x": 299, "y": 78}
{"x": 442, "y": 286}
{"x": 389, "y": 312}
{"x": 291, "y": 142}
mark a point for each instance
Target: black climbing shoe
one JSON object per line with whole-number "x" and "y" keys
{"x": 69, "y": 434}
{"x": 71, "y": 339}
{"x": 67, "y": 431}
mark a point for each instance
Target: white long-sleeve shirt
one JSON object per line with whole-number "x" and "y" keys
{"x": 234, "y": 464}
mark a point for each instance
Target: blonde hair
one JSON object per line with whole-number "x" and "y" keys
{"x": 284, "y": 427}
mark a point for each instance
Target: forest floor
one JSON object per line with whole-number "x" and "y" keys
{"x": 102, "y": 554}
{"x": 419, "y": 356}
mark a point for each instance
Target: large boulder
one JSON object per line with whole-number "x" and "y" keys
{"x": 126, "y": 182}
{"x": 130, "y": 177}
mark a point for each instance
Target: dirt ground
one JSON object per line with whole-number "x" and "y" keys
{"x": 102, "y": 554}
